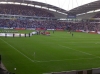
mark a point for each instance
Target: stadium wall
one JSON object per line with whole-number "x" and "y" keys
{"x": 88, "y": 71}
{"x": 91, "y": 32}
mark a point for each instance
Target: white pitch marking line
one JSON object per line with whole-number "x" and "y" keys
{"x": 17, "y": 50}
{"x": 79, "y": 51}
{"x": 45, "y": 61}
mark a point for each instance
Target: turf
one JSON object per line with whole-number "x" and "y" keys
{"x": 40, "y": 54}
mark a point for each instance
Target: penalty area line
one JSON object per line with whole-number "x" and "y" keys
{"x": 79, "y": 51}
{"x": 17, "y": 50}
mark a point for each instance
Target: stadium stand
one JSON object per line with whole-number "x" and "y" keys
{"x": 91, "y": 26}
{"x": 30, "y": 24}
{"x": 23, "y": 10}
{"x": 97, "y": 15}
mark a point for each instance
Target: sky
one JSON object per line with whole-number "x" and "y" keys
{"x": 65, "y": 4}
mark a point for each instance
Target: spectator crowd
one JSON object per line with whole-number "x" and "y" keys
{"x": 97, "y": 15}
{"x": 24, "y": 10}
{"x": 39, "y": 12}
{"x": 54, "y": 24}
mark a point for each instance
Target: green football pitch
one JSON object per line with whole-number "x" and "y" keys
{"x": 40, "y": 54}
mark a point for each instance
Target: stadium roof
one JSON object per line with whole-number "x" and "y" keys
{"x": 78, "y": 10}
{"x": 37, "y": 3}
{"x": 85, "y": 8}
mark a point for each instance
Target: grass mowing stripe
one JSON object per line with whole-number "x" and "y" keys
{"x": 79, "y": 51}
{"x": 17, "y": 50}
{"x": 65, "y": 60}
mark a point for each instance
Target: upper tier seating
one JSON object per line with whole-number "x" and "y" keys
{"x": 24, "y": 10}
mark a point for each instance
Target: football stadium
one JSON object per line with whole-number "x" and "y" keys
{"x": 37, "y": 37}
